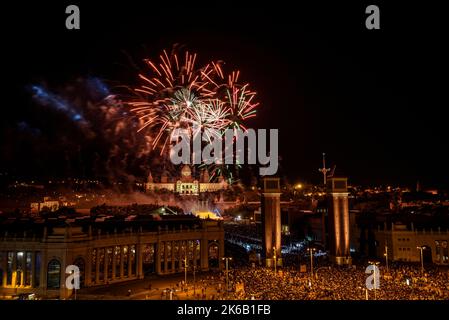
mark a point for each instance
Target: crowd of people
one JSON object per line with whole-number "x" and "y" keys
{"x": 328, "y": 282}
{"x": 338, "y": 283}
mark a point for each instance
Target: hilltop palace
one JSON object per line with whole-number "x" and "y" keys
{"x": 186, "y": 184}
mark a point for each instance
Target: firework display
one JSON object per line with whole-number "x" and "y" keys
{"x": 175, "y": 93}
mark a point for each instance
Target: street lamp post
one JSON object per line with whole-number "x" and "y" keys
{"x": 421, "y": 248}
{"x": 185, "y": 270}
{"x": 386, "y": 256}
{"x": 311, "y": 250}
{"x": 227, "y": 272}
{"x": 194, "y": 280}
{"x": 274, "y": 258}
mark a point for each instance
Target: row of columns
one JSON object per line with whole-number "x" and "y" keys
{"x": 173, "y": 257}
{"x": 92, "y": 272}
{"x": 161, "y": 262}
{"x": 133, "y": 269}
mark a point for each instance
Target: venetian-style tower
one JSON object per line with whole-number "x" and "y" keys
{"x": 338, "y": 213}
{"x": 271, "y": 220}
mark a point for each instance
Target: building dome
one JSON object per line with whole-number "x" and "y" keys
{"x": 164, "y": 176}
{"x": 186, "y": 171}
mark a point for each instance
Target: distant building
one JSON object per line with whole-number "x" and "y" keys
{"x": 186, "y": 184}
{"x": 403, "y": 242}
{"x": 34, "y": 254}
{"x": 49, "y": 204}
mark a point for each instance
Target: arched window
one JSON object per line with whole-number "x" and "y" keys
{"x": 213, "y": 251}
{"x": 427, "y": 254}
{"x": 54, "y": 274}
{"x": 213, "y": 255}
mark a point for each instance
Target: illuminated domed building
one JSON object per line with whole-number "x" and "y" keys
{"x": 186, "y": 184}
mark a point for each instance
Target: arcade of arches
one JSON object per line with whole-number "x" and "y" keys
{"x": 40, "y": 266}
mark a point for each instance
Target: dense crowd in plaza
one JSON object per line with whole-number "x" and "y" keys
{"x": 329, "y": 283}
{"x": 338, "y": 283}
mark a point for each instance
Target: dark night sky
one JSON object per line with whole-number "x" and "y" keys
{"x": 370, "y": 99}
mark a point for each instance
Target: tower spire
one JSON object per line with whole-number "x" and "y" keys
{"x": 324, "y": 170}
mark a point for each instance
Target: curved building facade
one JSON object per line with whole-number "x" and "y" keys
{"x": 34, "y": 256}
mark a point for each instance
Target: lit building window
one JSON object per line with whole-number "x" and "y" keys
{"x": 9, "y": 269}
{"x": 109, "y": 262}
{"x": 125, "y": 260}
{"x": 442, "y": 254}
{"x": 54, "y": 274}
{"x": 28, "y": 266}
{"x": 37, "y": 273}
{"x": 20, "y": 266}
{"x": 132, "y": 259}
